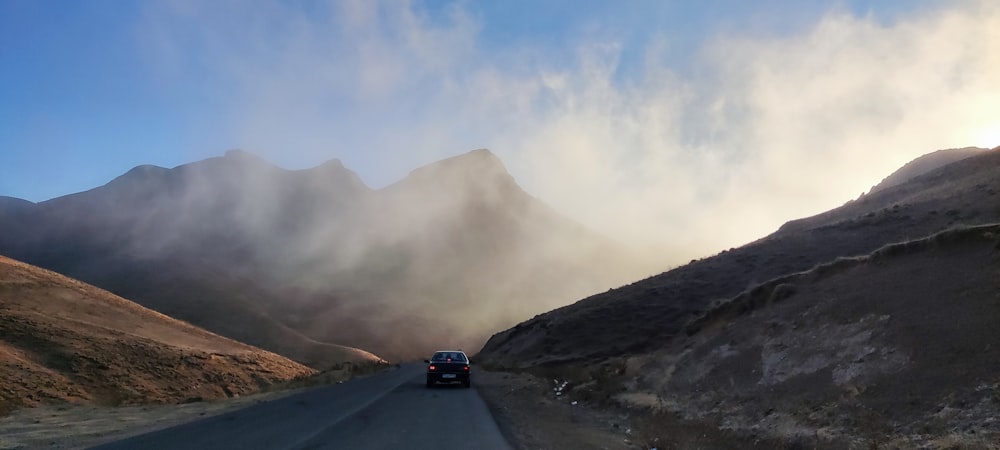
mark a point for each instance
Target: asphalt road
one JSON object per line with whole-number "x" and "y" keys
{"x": 387, "y": 411}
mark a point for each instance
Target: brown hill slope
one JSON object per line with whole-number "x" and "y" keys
{"x": 224, "y": 302}
{"x": 897, "y": 348}
{"x": 646, "y": 315}
{"x": 63, "y": 340}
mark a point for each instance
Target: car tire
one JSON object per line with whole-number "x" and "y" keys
{"x": 467, "y": 383}
{"x": 430, "y": 383}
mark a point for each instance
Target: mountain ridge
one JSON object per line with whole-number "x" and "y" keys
{"x": 317, "y": 252}
{"x": 867, "y": 325}
{"x": 924, "y": 164}
{"x": 664, "y": 303}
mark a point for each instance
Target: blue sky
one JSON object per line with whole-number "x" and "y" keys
{"x": 645, "y": 110}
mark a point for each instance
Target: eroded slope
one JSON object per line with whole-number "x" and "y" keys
{"x": 64, "y": 340}
{"x": 899, "y": 345}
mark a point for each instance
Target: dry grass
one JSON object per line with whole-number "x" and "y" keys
{"x": 531, "y": 416}
{"x": 781, "y": 288}
{"x": 64, "y": 341}
{"x": 80, "y": 426}
{"x": 339, "y": 373}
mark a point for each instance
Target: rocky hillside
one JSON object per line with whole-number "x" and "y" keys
{"x": 896, "y": 348}
{"x": 64, "y": 340}
{"x": 291, "y": 260}
{"x": 646, "y": 315}
{"x": 868, "y": 326}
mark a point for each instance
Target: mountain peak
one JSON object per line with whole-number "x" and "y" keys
{"x": 925, "y": 164}
{"x": 138, "y": 175}
{"x": 14, "y": 204}
{"x": 145, "y": 170}
{"x": 474, "y": 163}
{"x": 238, "y": 153}
{"x": 334, "y": 170}
{"x": 233, "y": 161}
{"x": 333, "y": 164}
{"x": 475, "y": 168}
{"x": 480, "y": 155}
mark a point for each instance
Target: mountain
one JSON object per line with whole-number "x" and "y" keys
{"x": 896, "y": 346}
{"x": 926, "y": 163}
{"x": 646, "y": 314}
{"x": 462, "y": 249}
{"x": 867, "y": 325}
{"x": 13, "y": 205}
{"x": 187, "y": 242}
{"x": 293, "y": 260}
{"x": 64, "y": 340}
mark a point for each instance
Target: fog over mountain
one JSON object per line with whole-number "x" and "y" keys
{"x": 924, "y": 164}
{"x": 870, "y": 323}
{"x": 641, "y": 141}
{"x": 643, "y": 315}
{"x": 292, "y": 261}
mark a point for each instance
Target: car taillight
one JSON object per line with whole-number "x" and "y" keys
{"x": 466, "y": 367}
{"x": 431, "y": 367}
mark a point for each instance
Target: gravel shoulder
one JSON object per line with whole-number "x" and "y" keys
{"x": 532, "y": 416}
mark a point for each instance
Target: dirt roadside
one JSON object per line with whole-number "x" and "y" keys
{"x": 81, "y": 426}
{"x": 529, "y": 413}
{"x": 532, "y": 412}
{"x": 526, "y": 407}
{"x": 535, "y": 413}
{"x": 72, "y": 426}
{"x": 553, "y": 414}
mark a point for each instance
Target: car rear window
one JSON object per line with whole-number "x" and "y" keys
{"x": 445, "y": 356}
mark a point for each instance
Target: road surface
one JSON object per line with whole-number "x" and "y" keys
{"x": 387, "y": 411}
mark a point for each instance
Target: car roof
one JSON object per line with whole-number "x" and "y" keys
{"x": 450, "y": 351}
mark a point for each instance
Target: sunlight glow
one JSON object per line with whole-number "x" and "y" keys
{"x": 988, "y": 137}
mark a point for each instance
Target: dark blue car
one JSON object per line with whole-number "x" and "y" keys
{"x": 448, "y": 366}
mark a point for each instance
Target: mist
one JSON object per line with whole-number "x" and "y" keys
{"x": 294, "y": 260}
{"x": 633, "y": 158}
{"x": 684, "y": 160}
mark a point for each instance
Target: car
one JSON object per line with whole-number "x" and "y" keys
{"x": 448, "y": 366}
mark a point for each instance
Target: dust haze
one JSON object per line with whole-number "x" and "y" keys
{"x": 633, "y": 165}
{"x": 756, "y": 129}
{"x": 450, "y": 254}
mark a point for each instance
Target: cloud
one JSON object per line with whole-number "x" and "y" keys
{"x": 754, "y": 131}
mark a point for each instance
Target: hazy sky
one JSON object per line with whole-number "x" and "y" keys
{"x": 689, "y": 125}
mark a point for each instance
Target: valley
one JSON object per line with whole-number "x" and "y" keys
{"x": 793, "y": 339}
{"x": 646, "y": 225}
